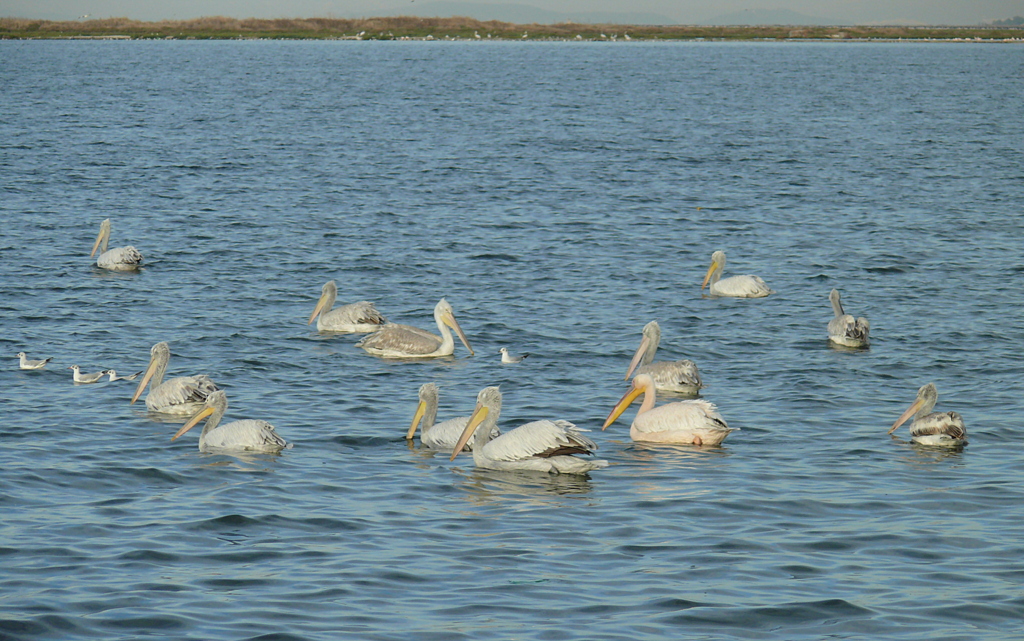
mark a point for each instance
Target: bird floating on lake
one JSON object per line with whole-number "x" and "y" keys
{"x": 694, "y": 422}
{"x": 932, "y": 428}
{"x": 670, "y": 376}
{"x": 440, "y": 436}
{"x": 86, "y": 378}
{"x": 745, "y": 286}
{"x": 508, "y": 358}
{"x": 114, "y": 377}
{"x": 119, "y": 258}
{"x": 541, "y": 446}
{"x": 250, "y": 435}
{"x": 404, "y": 341}
{"x": 352, "y": 318}
{"x": 27, "y": 363}
{"x": 182, "y": 395}
{"x": 843, "y": 329}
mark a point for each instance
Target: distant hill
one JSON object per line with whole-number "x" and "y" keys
{"x": 520, "y": 13}
{"x": 769, "y": 17}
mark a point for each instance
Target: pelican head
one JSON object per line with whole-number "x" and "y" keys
{"x": 642, "y": 384}
{"x": 837, "y": 307}
{"x": 214, "y": 408}
{"x": 103, "y": 237}
{"x": 328, "y": 294}
{"x": 443, "y": 314}
{"x": 648, "y": 346}
{"x": 715, "y": 270}
{"x": 428, "y": 405}
{"x": 488, "y": 405}
{"x": 923, "y": 404}
{"x": 159, "y": 355}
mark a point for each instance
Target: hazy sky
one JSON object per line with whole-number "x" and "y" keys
{"x": 684, "y": 11}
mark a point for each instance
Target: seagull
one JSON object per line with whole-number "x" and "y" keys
{"x": 27, "y": 363}
{"x": 508, "y": 358}
{"x": 86, "y": 378}
{"x": 114, "y": 377}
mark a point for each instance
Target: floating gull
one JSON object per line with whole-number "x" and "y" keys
{"x": 250, "y": 435}
{"x": 27, "y": 363}
{"x": 694, "y": 422}
{"x": 352, "y": 318}
{"x": 118, "y": 258}
{"x": 86, "y": 378}
{"x": 736, "y": 286}
{"x": 114, "y": 377}
{"x": 508, "y": 358}
{"x": 932, "y": 428}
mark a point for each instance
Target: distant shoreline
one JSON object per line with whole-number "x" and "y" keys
{"x": 459, "y": 28}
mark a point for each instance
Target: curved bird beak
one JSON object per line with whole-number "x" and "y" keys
{"x": 910, "y": 412}
{"x": 203, "y": 413}
{"x": 479, "y": 414}
{"x": 707, "y": 276}
{"x": 421, "y": 409}
{"x": 621, "y": 406}
{"x": 450, "y": 321}
{"x": 145, "y": 380}
{"x": 319, "y": 308}
{"x": 636, "y": 357}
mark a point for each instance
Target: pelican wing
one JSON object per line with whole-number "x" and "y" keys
{"x": 120, "y": 258}
{"x": 681, "y": 416}
{"x": 251, "y": 434}
{"x": 846, "y": 330}
{"x": 180, "y": 393}
{"x": 673, "y": 375}
{"x": 744, "y": 286}
{"x": 401, "y": 339}
{"x": 539, "y": 439}
{"x": 354, "y": 314}
{"x": 939, "y": 424}
{"x": 444, "y": 435}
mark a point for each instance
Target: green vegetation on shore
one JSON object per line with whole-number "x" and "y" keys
{"x": 467, "y": 28}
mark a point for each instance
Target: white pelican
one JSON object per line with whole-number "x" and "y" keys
{"x": 86, "y": 378}
{"x": 508, "y": 358}
{"x": 114, "y": 377}
{"x": 542, "y": 446}
{"x": 352, "y": 318}
{"x": 670, "y": 376}
{"x": 844, "y": 329}
{"x": 932, "y": 428}
{"x": 694, "y": 422}
{"x": 441, "y": 436}
{"x": 28, "y": 363}
{"x": 736, "y": 286}
{"x": 183, "y": 395}
{"x": 118, "y": 258}
{"x": 250, "y": 435}
{"x": 404, "y": 341}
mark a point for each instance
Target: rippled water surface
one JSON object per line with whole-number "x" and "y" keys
{"x": 560, "y": 196}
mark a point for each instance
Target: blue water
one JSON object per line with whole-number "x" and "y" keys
{"x": 560, "y": 195}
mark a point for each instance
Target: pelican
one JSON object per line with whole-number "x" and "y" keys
{"x": 250, "y": 435}
{"x": 932, "y": 428}
{"x": 736, "y": 286}
{"x": 404, "y": 341}
{"x": 114, "y": 377}
{"x": 118, "y": 258}
{"x": 542, "y": 446}
{"x": 843, "y": 329}
{"x": 694, "y": 422}
{"x": 670, "y": 376}
{"x": 352, "y": 318}
{"x": 441, "y": 436}
{"x": 508, "y": 358}
{"x": 86, "y": 378}
{"x": 182, "y": 395}
{"x": 28, "y": 363}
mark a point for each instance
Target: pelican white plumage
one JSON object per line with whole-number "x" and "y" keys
{"x": 541, "y": 446}
{"x": 27, "y": 363}
{"x": 670, "y": 376}
{"x": 114, "y": 377}
{"x": 508, "y": 358}
{"x": 437, "y": 436}
{"x": 744, "y": 286}
{"x": 119, "y": 258}
{"x": 182, "y": 395}
{"x": 694, "y": 422}
{"x": 353, "y": 318}
{"x": 844, "y": 329}
{"x": 86, "y": 378}
{"x": 250, "y": 435}
{"x": 932, "y": 428}
{"x": 404, "y": 341}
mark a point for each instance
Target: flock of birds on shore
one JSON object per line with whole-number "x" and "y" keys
{"x": 553, "y": 446}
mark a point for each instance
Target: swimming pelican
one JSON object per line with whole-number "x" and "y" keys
{"x": 352, "y": 318}
{"x": 736, "y": 286}
{"x": 694, "y": 422}
{"x": 508, "y": 358}
{"x": 86, "y": 378}
{"x": 118, "y": 258}
{"x": 844, "y": 329}
{"x": 182, "y": 395}
{"x": 542, "y": 446}
{"x": 27, "y": 363}
{"x": 250, "y": 435}
{"x": 114, "y": 377}
{"x": 441, "y": 436}
{"x": 670, "y": 376}
{"x": 932, "y": 428}
{"x": 404, "y": 341}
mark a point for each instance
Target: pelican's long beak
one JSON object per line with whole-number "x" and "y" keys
{"x": 99, "y": 239}
{"x": 145, "y": 380}
{"x": 319, "y": 308}
{"x": 910, "y": 412}
{"x": 421, "y": 409}
{"x": 621, "y": 406}
{"x": 636, "y": 357}
{"x": 707, "y": 276}
{"x": 479, "y": 414}
{"x": 450, "y": 321}
{"x": 200, "y": 415}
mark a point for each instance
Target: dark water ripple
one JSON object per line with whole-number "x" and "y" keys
{"x": 560, "y": 196}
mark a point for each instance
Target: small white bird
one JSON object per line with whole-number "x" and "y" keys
{"x": 508, "y": 358}
{"x": 27, "y": 363}
{"x": 745, "y": 286}
{"x": 114, "y": 377}
{"x": 251, "y": 435}
{"x": 844, "y": 329}
{"x": 86, "y": 378}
